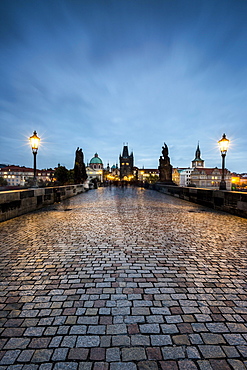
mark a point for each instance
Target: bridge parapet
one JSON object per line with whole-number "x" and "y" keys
{"x": 234, "y": 202}
{"x": 17, "y": 202}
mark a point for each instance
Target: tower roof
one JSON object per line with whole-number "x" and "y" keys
{"x": 198, "y": 154}
{"x": 96, "y": 159}
{"x": 125, "y": 151}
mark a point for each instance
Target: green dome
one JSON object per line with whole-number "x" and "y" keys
{"x": 96, "y": 160}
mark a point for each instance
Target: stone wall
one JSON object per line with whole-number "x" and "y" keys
{"x": 234, "y": 202}
{"x": 17, "y": 202}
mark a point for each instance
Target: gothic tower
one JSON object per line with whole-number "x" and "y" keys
{"x": 126, "y": 163}
{"x": 197, "y": 162}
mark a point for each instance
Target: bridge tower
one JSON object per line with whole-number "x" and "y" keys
{"x": 126, "y": 163}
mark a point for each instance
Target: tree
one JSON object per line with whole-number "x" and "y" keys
{"x": 3, "y": 182}
{"x": 61, "y": 175}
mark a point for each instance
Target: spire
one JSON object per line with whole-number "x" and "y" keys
{"x": 125, "y": 151}
{"x": 198, "y": 153}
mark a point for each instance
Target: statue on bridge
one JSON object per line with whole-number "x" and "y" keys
{"x": 80, "y": 174}
{"x": 165, "y": 168}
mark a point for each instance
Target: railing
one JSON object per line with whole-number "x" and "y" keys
{"x": 234, "y": 202}
{"x": 17, "y": 202}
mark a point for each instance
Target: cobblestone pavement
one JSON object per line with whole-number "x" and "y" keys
{"x": 123, "y": 279}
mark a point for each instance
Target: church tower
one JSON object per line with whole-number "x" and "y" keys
{"x": 197, "y": 162}
{"x": 126, "y": 163}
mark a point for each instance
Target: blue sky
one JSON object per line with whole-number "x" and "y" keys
{"x": 97, "y": 74}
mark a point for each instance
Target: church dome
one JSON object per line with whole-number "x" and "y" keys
{"x": 96, "y": 159}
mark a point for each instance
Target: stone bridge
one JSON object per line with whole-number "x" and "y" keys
{"x": 123, "y": 279}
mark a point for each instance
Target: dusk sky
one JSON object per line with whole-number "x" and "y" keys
{"x": 97, "y": 74}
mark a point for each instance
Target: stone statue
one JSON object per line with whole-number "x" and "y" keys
{"x": 165, "y": 167}
{"x": 80, "y": 174}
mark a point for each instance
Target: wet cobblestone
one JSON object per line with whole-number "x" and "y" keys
{"x": 124, "y": 279}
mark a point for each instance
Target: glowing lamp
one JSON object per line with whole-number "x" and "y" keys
{"x": 223, "y": 144}
{"x": 34, "y": 142}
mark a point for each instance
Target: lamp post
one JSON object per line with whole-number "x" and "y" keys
{"x": 34, "y": 142}
{"x": 223, "y": 144}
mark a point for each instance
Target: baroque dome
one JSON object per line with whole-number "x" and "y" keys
{"x": 96, "y": 160}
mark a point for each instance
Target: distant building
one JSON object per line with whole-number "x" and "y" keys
{"x": 19, "y": 176}
{"x": 112, "y": 173}
{"x": 126, "y": 164}
{"x": 95, "y": 169}
{"x": 210, "y": 178}
{"x": 147, "y": 174}
{"x": 239, "y": 181}
{"x": 181, "y": 176}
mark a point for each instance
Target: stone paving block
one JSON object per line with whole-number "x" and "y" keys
{"x": 17, "y": 343}
{"x": 97, "y": 354}
{"x": 101, "y": 366}
{"x": 66, "y": 366}
{"x": 235, "y": 339}
{"x": 77, "y": 329}
{"x": 133, "y": 354}
{"x": 26, "y": 355}
{"x": 47, "y": 366}
{"x": 149, "y": 328}
{"x": 113, "y": 354}
{"x": 173, "y": 353}
{"x": 181, "y": 340}
{"x": 13, "y": 332}
{"x": 30, "y": 367}
{"x": 116, "y": 329}
{"x": 123, "y": 366}
{"x": 217, "y": 327}
{"x": 154, "y": 353}
{"x": 210, "y": 338}
{"x": 85, "y": 366}
{"x": 9, "y": 357}
{"x": 78, "y": 354}
{"x": 42, "y": 355}
{"x": 34, "y": 331}
{"x": 120, "y": 340}
{"x": 41, "y": 342}
{"x": 140, "y": 340}
{"x": 192, "y": 352}
{"x": 169, "y": 328}
{"x": 59, "y": 354}
{"x": 150, "y": 365}
{"x": 237, "y": 364}
{"x": 160, "y": 340}
{"x": 219, "y": 364}
{"x": 88, "y": 341}
{"x": 55, "y": 342}
{"x": 211, "y": 351}
{"x": 187, "y": 365}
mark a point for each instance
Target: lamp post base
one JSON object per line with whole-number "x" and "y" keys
{"x": 222, "y": 185}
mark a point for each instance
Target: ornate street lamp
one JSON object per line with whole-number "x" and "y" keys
{"x": 223, "y": 144}
{"x": 34, "y": 142}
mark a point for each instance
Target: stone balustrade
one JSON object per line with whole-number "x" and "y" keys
{"x": 17, "y": 202}
{"x": 234, "y": 202}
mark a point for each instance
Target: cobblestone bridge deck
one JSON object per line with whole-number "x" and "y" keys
{"x": 123, "y": 279}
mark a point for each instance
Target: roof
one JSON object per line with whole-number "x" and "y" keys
{"x": 96, "y": 160}
{"x": 13, "y": 168}
{"x": 208, "y": 171}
